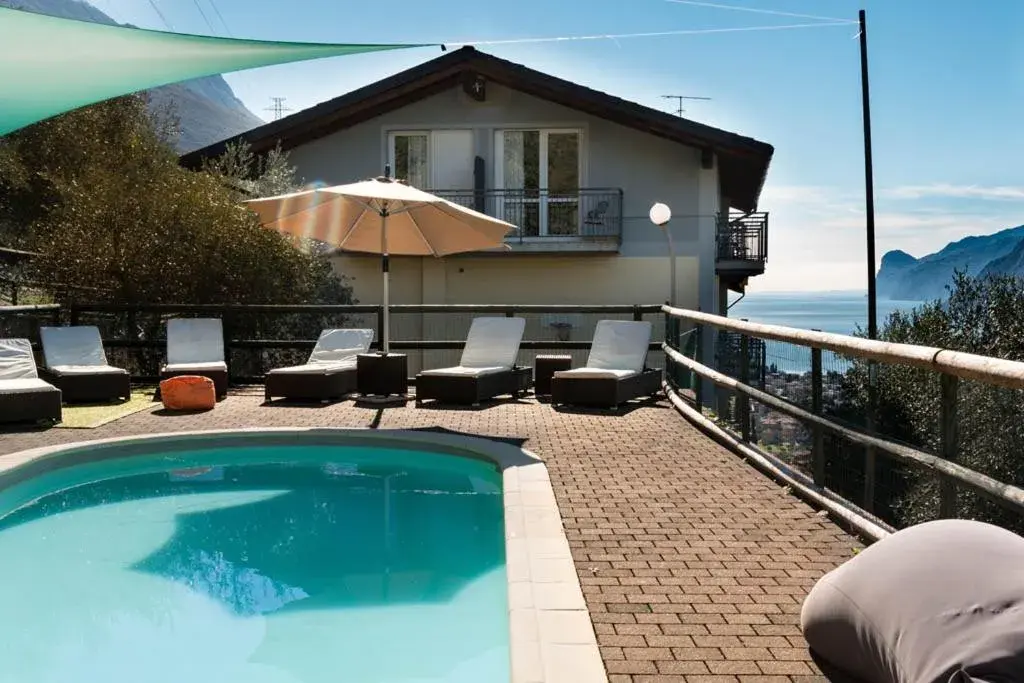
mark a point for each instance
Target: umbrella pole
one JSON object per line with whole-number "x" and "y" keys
{"x": 385, "y": 322}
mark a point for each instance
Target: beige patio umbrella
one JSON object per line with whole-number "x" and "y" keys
{"x": 382, "y": 216}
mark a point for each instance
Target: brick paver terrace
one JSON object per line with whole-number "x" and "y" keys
{"x": 693, "y": 564}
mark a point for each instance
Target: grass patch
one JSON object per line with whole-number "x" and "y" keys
{"x": 92, "y": 415}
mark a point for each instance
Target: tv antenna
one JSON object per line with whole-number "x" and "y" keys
{"x": 278, "y": 107}
{"x": 679, "y": 101}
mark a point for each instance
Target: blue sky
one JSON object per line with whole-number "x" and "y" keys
{"x": 947, "y": 81}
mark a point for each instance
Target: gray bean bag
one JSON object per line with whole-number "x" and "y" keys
{"x": 941, "y": 602}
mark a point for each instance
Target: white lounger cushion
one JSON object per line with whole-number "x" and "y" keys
{"x": 27, "y": 385}
{"x": 596, "y": 373}
{"x": 193, "y": 342}
{"x": 196, "y": 367}
{"x": 16, "y": 359}
{"x": 79, "y": 346}
{"x": 620, "y": 345}
{"x": 492, "y": 345}
{"x": 335, "y": 351}
{"x": 88, "y": 370}
{"x": 313, "y": 369}
{"x": 462, "y": 371}
{"x": 341, "y": 346}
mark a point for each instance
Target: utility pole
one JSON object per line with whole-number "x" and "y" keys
{"x": 679, "y": 101}
{"x": 870, "y": 467}
{"x": 869, "y": 183}
{"x": 278, "y": 107}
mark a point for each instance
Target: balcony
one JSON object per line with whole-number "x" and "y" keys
{"x": 587, "y": 220}
{"x": 742, "y": 247}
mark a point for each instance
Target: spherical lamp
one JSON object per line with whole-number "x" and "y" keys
{"x": 660, "y": 214}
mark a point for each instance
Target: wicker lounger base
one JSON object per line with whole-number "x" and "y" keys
{"x": 30, "y": 407}
{"x": 81, "y": 388}
{"x": 601, "y": 392}
{"x": 467, "y": 390}
{"x": 219, "y": 377}
{"x": 310, "y": 387}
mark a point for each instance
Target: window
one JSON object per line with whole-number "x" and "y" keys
{"x": 409, "y": 158}
{"x": 437, "y": 160}
{"x": 539, "y": 172}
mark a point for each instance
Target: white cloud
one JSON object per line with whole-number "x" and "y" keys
{"x": 938, "y": 190}
{"x": 817, "y": 235}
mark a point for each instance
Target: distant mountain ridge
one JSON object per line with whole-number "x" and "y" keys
{"x": 903, "y": 277}
{"x": 206, "y": 108}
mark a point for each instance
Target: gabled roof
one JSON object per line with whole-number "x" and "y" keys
{"x": 743, "y": 161}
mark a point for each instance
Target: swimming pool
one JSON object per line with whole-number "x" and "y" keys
{"x": 286, "y": 556}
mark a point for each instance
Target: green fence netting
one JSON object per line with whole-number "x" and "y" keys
{"x": 50, "y": 65}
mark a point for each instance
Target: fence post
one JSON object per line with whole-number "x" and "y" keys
{"x": 818, "y": 436}
{"x": 698, "y": 381}
{"x": 742, "y": 399}
{"x": 950, "y": 436}
{"x": 73, "y": 308}
{"x": 637, "y": 315}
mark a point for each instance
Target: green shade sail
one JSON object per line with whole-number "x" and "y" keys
{"x": 50, "y": 65}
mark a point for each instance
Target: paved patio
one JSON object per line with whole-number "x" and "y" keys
{"x": 693, "y": 564}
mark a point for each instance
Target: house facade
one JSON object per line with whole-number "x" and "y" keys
{"x": 575, "y": 169}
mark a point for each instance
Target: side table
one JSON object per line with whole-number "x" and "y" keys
{"x": 378, "y": 375}
{"x": 544, "y": 368}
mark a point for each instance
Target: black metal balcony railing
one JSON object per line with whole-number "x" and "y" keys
{"x": 743, "y": 237}
{"x": 587, "y": 213}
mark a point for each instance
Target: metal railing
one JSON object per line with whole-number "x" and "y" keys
{"x": 743, "y": 237}
{"x": 259, "y": 338}
{"x": 809, "y": 411}
{"x": 587, "y": 213}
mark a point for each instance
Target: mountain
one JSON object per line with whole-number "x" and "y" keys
{"x": 903, "y": 277}
{"x": 206, "y": 108}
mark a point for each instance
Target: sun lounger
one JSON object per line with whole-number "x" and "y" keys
{"x": 23, "y": 396}
{"x": 938, "y": 602}
{"x": 330, "y": 372}
{"x": 616, "y": 369}
{"x": 75, "y": 363}
{"x": 195, "y": 346}
{"x": 487, "y": 368}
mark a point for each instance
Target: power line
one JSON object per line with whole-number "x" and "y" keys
{"x": 679, "y": 101}
{"x": 756, "y": 10}
{"x": 221, "y": 17}
{"x": 649, "y": 34}
{"x": 206, "y": 19}
{"x": 278, "y": 107}
{"x": 167, "y": 24}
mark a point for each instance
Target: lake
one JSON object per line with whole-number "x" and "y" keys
{"x": 838, "y": 312}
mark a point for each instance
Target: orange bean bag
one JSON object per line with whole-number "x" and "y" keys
{"x": 188, "y": 392}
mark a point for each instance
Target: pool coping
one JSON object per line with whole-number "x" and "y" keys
{"x": 551, "y": 635}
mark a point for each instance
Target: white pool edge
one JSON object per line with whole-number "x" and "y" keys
{"x": 552, "y": 638}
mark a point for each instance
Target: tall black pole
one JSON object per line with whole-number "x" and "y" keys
{"x": 869, "y": 183}
{"x": 870, "y": 467}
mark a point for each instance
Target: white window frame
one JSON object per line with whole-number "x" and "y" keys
{"x": 543, "y": 200}
{"x": 407, "y": 133}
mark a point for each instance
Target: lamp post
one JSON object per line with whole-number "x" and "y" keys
{"x": 661, "y": 215}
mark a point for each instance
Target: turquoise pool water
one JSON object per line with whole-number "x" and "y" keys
{"x": 256, "y": 565}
